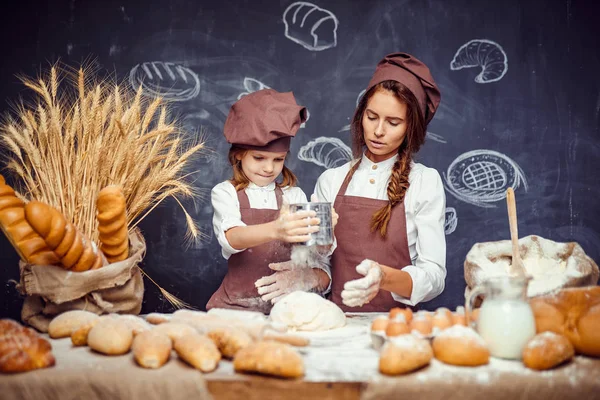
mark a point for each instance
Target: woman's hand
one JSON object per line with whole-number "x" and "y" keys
{"x": 295, "y": 227}
{"x": 359, "y": 292}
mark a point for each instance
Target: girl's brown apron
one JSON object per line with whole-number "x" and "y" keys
{"x": 356, "y": 242}
{"x": 237, "y": 290}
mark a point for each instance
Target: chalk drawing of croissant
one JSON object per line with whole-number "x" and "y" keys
{"x": 252, "y": 85}
{"x": 165, "y": 79}
{"x": 482, "y": 53}
{"x": 326, "y": 152}
{"x": 312, "y": 27}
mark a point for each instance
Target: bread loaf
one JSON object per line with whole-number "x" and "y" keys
{"x": 574, "y": 313}
{"x": 198, "y": 351}
{"x": 79, "y": 335}
{"x": 75, "y": 252}
{"x": 403, "y": 354}
{"x": 30, "y": 246}
{"x": 547, "y": 350}
{"x": 22, "y": 349}
{"x": 174, "y": 330}
{"x": 229, "y": 341}
{"x": 135, "y": 323}
{"x": 158, "y": 318}
{"x": 462, "y": 346}
{"x": 151, "y": 349}
{"x": 110, "y": 336}
{"x": 63, "y": 325}
{"x": 112, "y": 223}
{"x": 269, "y": 358}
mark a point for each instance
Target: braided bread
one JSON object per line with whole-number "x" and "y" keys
{"x": 22, "y": 349}
{"x": 30, "y": 246}
{"x": 75, "y": 252}
{"x": 112, "y": 223}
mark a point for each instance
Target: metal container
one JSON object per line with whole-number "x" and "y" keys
{"x": 324, "y": 236}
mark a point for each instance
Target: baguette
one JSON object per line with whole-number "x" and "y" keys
{"x": 75, "y": 252}
{"x": 30, "y": 246}
{"x": 112, "y": 224}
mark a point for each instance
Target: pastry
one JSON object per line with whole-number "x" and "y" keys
{"x": 63, "y": 325}
{"x": 403, "y": 354}
{"x": 151, "y": 349}
{"x": 112, "y": 224}
{"x": 547, "y": 350}
{"x": 269, "y": 358}
{"x": 75, "y": 252}
{"x": 460, "y": 345}
{"x": 229, "y": 341}
{"x": 30, "y": 246}
{"x": 110, "y": 336}
{"x": 22, "y": 349}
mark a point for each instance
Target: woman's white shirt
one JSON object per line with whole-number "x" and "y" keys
{"x": 425, "y": 206}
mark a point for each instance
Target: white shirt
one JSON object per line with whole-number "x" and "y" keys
{"x": 425, "y": 205}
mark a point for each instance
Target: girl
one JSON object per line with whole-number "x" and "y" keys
{"x": 390, "y": 237}
{"x": 247, "y": 221}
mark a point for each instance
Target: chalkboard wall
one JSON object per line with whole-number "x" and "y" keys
{"x": 520, "y": 104}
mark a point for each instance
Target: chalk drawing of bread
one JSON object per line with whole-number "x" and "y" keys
{"x": 451, "y": 220}
{"x": 326, "y": 152}
{"x": 481, "y": 177}
{"x": 168, "y": 80}
{"x": 485, "y": 54}
{"x": 312, "y": 27}
{"x": 252, "y": 85}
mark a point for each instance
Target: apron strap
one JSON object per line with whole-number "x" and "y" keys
{"x": 245, "y": 202}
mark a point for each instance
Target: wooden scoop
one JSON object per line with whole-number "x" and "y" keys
{"x": 516, "y": 268}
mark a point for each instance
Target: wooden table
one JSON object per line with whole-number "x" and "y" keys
{"x": 340, "y": 365}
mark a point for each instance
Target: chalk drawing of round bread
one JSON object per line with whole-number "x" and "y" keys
{"x": 168, "y": 80}
{"x": 326, "y": 152}
{"x": 310, "y": 26}
{"x": 485, "y": 54}
{"x": 451, "y": 220}
{"x": 481, "y": 177}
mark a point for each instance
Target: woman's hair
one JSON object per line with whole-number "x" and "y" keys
{"x": 415, "y": 137}
{"x": 240, "y": 181}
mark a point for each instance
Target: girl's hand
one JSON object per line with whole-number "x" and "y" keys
{"x": 334, "y": 217}
{"x": 295, "y": 227}
{"x": 361, "y": 291}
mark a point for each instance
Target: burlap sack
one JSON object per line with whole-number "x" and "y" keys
{"x": 114, "y": 288}
{"x": 489, "y": 259}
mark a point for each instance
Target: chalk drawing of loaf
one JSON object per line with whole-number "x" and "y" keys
{"x": 485, "y": 54}
{"x": 312, "y": 27}
{"x": 326, "y": 152}
{"x": 168, "y": 80}
{"x": 481, "y": 177}
{"x": 252, "y": 85}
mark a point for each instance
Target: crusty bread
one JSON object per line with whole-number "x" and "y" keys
{"x": 404, "y": 354}
{"x": 30, "y": 246}
{"x": 174, "y": 330}
{"x": 75, "y": 252}
{"x": 112, "y": 223}
{"x": 229, "y": 341}
{"x": 22, "y": 349}
{"x": 110, "y": 336}
{"x": 547, "y": 350}
{"x": 63, "y": 325}
{"x": 269, "y": 358}
{"x": 151, "y": 349}
{"x": 573, "y": 312}
{"x": 198, "y": 351}
{"x": 158, "y": 318}
{"x": 460, "y": 345}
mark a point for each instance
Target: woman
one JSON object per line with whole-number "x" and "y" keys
{"x": 390, "y": 236}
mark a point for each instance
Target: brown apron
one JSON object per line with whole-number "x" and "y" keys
{"x": 237, "y": 291}
{"x": 356, "y": 242}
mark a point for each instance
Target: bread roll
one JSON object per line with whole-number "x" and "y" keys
{"x": 198, "y": 351}
{"x": 547, "y": 350}
{"x": 110, "y": 336}
{"x": 174, "y": 330}
{"x": 396, "y": 328}
{"x": 75, "y": 252}
{"x": 151, "y": 349}
{"x": 79, "y": 335}
{"x": 112, "y": 223}
{"x": 269, "y": 358}
{"x": 403, "y": 354}
{"x": 406, "y": 312}
{"x": 158, "y": 318}
{"x": 574, "y": 313}
{"x": 135, "y": 323}
{"x": 63, "y": 325}
{"x": 422, "y": 324}
{"x": 30, "y": 246}
{"x": 380, "y": 324}
{"x": 229, "y": 341}
{"x": 22, "y": 349}
{"x": 460, "y": 345}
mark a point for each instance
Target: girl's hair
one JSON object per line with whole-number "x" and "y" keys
{"x": 415, "y": 137}
{"x": 240, "y": 181}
